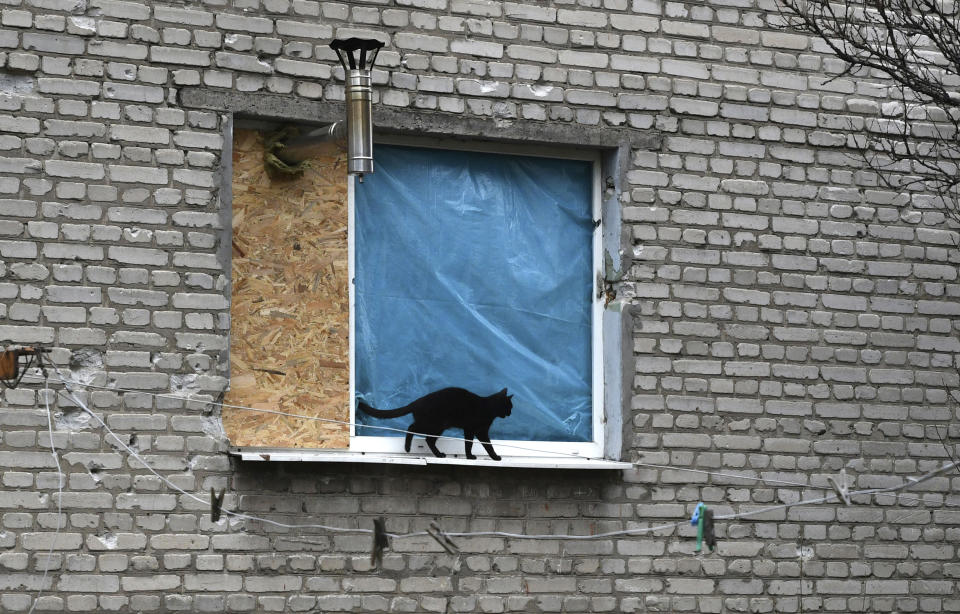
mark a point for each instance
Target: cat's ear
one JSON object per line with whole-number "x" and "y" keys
{"x": 509, "y": 396}
{"x": 503, "y": 392}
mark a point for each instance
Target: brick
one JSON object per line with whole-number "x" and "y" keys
{"x": 240, "y": 542}
{"x": 140, "y": 134}
{"x": 213, "y": 582}
{"x": 543, "y": 93}
{"x": 137, "y": 255}
{"x": 530, "y": 53}
{"x": 138, "y": 174}
{"x": 122, "y": 10}
{"x": 271, "y": 584}
{"x": 18, "y": 249}
{"x": 784, "y": 40}
{"x": 20, "y": 166}
{"x": 300, "y": 29}
{"x": 146, "y": 502}
{"x": 23, "y": 500}
{"x": 81, "y": 336}
{"x": 583, "y": 58}
{"x": 68, "y": 87}
{"x": 79, "y": 170}
{"x": 528, "y": 12}
{"x": 132, "y": 93}
{"x": 53, "y": 43}
{"x": 689, "y": 106}
{"x": 241, "y": 62}
{"x": 176, "y": 55}
{"x": 72, "y": 251}
{"x": 73, "y": 294}
{"x": 46, "y": 541}
{"x": 160, "y": 582}
{"x": 255, "y": 25}
{"x": 421, "y": 42}
{"x": 302, "y": 69}
{"x": 112, "y": 49}
{"x": 93, "y": 583}
{"x": 476, "y": 48}
{"x": 183, "y": 16}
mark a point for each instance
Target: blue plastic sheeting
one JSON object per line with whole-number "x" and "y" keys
{"x": 474, "y": 270}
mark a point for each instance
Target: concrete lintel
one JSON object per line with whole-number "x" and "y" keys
{"x": 284, "y": 108}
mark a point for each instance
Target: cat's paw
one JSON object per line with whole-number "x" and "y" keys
{"x": 439, "y": 454}
{"x": 494, "y": 457}
{"x": 472, "y": 456}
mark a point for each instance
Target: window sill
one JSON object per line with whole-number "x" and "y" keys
{"x": 346, "y": 456}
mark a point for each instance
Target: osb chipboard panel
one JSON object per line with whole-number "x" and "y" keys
{"x": 289, "y": 331}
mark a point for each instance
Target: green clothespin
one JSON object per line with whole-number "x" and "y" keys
{"x": 703, "y": 519}
{"x": 697, "y": 520}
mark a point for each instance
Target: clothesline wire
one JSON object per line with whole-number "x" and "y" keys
{"x": 755, "y": 478}
{"x": 626, "y": 532}
{"x": 314, "y": 418}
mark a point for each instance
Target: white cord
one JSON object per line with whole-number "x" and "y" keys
{"x": 60, "y": 477}
{"x": 441, "y": 437}
{"x": 170, "y": 484}
{"x": 625, "y": 532}
{"x": 314, "y": 418}
{"x": 726, "y": 475}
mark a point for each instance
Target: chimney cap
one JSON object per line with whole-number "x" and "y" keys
{"x": 345, "y": 49}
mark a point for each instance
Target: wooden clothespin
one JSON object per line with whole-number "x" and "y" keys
{"x": 446, "y": 543}
{"x": 380, "y": 541}
{"x": 841, "y": 488}
{"x": 441, "y": 538}
{"x": 216, "y": 504}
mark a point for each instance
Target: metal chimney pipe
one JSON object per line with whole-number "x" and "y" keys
{"x": 357, "y": 130}
{"x": 352, "y": 53}
{"x": 359, "y": 94}
{"x": 314, "y": 143}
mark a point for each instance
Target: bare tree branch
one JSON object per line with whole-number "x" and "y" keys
{"x": 913, "y": 142}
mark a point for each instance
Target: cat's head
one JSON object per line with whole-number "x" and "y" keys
{"x": 506, "y": 402}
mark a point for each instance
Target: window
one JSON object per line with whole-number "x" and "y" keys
{"x": 478, "y": 270}
{"x": 449, "y": 266}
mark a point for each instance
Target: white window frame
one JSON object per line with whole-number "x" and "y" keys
{"x": 506, "y": 448}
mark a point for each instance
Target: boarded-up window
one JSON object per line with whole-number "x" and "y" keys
{"x": 290, "y": 312}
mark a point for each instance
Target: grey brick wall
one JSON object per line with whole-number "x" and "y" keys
{"x": 792, "y": 317}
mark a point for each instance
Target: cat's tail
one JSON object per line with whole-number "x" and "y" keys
{"x": 383, "y": 413}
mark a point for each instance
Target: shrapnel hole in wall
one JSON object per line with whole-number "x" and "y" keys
{"x": 290, "y": 312}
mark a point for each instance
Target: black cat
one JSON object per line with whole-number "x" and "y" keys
{"x": 450, "y": 408}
